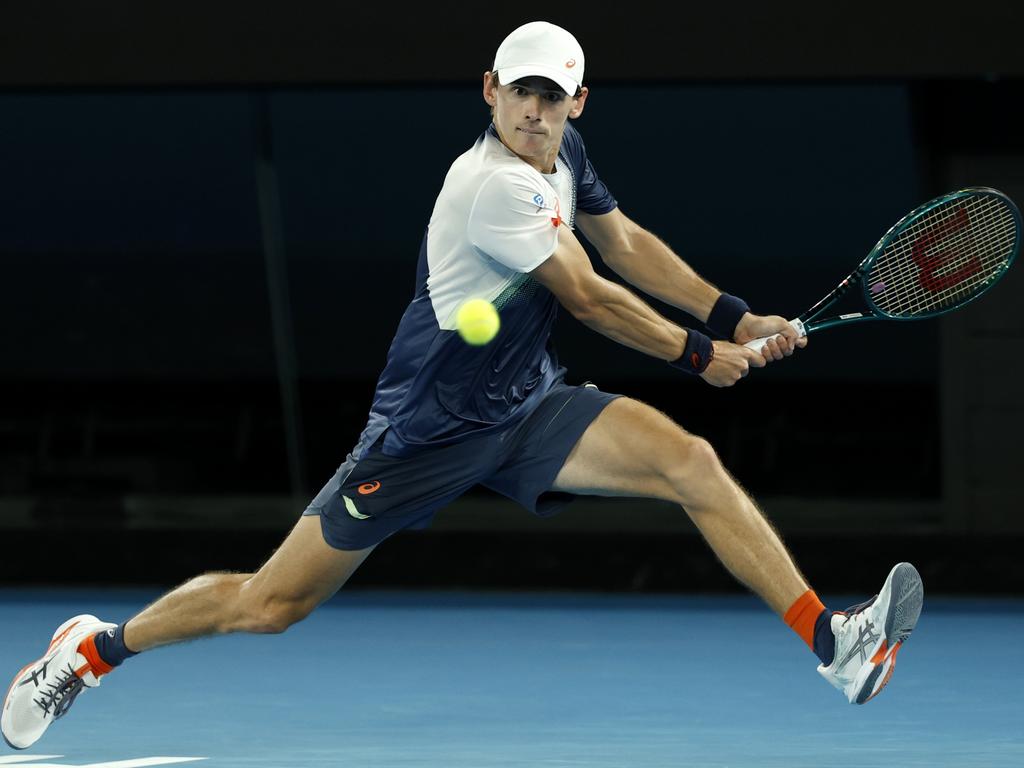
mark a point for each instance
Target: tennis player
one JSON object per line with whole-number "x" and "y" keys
{"x": 447, "y": 416}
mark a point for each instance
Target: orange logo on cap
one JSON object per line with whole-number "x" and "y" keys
{"x": 367, "y": 488}
{"x": 570, "y": 63}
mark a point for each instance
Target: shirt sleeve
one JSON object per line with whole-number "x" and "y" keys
{"x": 515, "y": 219}
{"x": 592, "y": 194}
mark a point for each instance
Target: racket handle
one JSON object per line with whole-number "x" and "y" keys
{"x": 758, "y": 344}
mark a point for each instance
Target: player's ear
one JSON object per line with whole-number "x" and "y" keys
{"x": 490, "y": 87}
{"x": 577, "y": 107}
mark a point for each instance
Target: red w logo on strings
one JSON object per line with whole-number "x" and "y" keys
{"x": 930, "y": 264}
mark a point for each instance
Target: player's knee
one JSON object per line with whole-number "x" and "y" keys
{"x": 272, "y": 618}
{"x": 271, "y": 614}
{"x": 692, "y": 465}
{"x": 276, "y": 615}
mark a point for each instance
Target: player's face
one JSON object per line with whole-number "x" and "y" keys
{"x": 530, "y": 116}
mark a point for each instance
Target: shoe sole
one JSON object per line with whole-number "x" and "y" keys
{"x": 905, "y": 592}
{"x": 58, "y": 635}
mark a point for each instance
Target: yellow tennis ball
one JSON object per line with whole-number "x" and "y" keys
{"x": 477, "y": 321}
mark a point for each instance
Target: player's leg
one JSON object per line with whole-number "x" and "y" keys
{"x": 634, "y": 450}
{"x": 297, "y": 578}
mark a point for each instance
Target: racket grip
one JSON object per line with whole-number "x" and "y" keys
{"x": 758, "y": 344}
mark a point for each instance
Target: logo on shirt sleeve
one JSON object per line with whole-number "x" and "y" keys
{"x": 538, "y": 200}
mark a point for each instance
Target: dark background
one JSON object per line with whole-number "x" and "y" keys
{"x": 211, "y": 216}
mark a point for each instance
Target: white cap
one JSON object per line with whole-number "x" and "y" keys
{"x": 540, "y": 49}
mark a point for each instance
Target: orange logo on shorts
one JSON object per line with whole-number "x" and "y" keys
{"x": 367, "y": 488}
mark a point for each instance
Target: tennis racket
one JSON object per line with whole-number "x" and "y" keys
{"x": 938, "y": 258}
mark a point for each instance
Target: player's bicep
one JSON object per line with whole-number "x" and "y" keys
{"x": 613, "y": 234}
{"x": 570, "y": 276}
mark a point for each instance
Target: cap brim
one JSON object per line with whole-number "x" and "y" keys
{"x": 564, "y": 81}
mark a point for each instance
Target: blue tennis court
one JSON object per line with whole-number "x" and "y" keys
{"x": 380, "y": 679}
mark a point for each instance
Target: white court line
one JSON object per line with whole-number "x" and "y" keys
{"x": 140, "y": 762}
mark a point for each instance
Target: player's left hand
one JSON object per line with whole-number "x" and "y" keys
{"x": 784, "y": 339}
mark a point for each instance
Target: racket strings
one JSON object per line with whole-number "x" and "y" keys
{"x": 975, "y": 259}
{"x": 946, "y": 271}
{"x": 945, "y": 257}
{"x": 952, "y": 259}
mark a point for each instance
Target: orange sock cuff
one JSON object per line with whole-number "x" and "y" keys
{"x": 802, "y": 615}
{"x": 88, "y": 649}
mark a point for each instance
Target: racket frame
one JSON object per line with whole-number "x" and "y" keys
{"x": 856, "y": 278}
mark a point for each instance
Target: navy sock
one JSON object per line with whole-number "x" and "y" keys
{"x": 824, "y": 640}
{"x": 111, "y": 648}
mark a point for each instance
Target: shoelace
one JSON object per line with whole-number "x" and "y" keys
{"x": 61, "y": 693}
{"x": 853, "y": 610}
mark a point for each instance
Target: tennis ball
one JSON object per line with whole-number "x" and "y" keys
{"x": 477, "y": 322}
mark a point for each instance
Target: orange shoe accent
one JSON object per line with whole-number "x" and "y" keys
{"x": 61, "y": 636}
{"x": 880, "y": 654}
{"x": 803, "y": 614}
{"x": 96, "y": 665}
{"x": 888, "y": 673}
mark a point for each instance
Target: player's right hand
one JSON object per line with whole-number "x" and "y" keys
{"x": 731, "y": 363}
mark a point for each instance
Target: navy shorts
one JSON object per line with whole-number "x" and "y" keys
{"x": 377, "y": 495}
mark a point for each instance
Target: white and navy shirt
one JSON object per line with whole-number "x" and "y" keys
{"x": 495, "y": 219}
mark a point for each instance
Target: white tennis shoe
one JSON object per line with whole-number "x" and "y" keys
{"x": 869, "y": 635}
{"x": 45, "y": 690}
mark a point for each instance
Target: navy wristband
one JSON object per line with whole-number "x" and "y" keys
{"x": 697, "y": 354}
{"x": 726, "y": 315}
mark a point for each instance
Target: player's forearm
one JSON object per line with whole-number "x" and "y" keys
{"x": 656, "y": 270}
{"x": 622, "y": 317}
